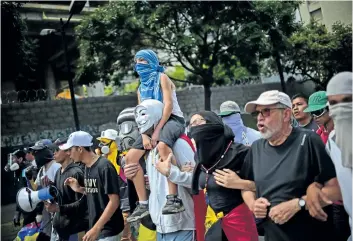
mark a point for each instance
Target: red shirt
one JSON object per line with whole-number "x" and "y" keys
{"x": 323, "y": 134}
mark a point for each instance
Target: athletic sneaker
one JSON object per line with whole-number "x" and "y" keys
{"x": 140, "y": 212}
{"x": 173, "y": 205}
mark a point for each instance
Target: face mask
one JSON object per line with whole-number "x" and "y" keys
{"x": 105, "y": 150}
{"x": 148, "y": 115}
{"x": 342, "y": 118}
{"x": 209, "y": 140}
{"x": 139, "y": 68}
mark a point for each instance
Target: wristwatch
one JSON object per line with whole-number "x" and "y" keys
{"x": 301, "y": 203}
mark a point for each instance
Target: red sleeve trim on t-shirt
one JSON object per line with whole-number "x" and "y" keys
{"x": 188, "y": 140}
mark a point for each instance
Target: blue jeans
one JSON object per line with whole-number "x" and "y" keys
{"x": 183, "y": 235}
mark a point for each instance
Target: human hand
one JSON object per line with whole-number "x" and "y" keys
{"x": 29, "y": 173}
{"x": 164, "y": 166}
{"x": 226, "y": 178}
{"x": 284, "y": 211}
{"x": 51, "y": 207}
{"x": 155, "y": 137}
{"x": 315, "y": 199}
{"x": 130, "y": 170}
{"x": 73, "y": 183}
{"x": 146, "y": 141}
{"x": 187, "y": 167}
{"x": 260, "y": 207}
{"x": 91, "y": 235}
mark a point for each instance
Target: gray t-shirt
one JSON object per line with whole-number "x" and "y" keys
{"x": 311, "y": 126}
{"x": 284, "y": 172}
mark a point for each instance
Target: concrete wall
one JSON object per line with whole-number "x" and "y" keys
{"x": 25, "y": 123}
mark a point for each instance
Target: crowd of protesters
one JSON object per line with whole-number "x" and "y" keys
{"x": 214, "y": 179}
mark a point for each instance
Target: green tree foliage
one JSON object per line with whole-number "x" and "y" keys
{"x": 203, "y": 37}
{"x": 178, "y": 74}
{"x": 318, "y": 54}
{"x": 21, "y": 58}
{"x": 130, "y": 88}
{"x": 277, "y": 20}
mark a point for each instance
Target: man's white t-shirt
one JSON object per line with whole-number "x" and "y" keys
{"x": 47, "y": 174}
{"x": 344, "y": 176}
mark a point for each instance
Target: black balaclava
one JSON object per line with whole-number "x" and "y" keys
{"x": 43, "y": 156}
{"x": 211, "y": 138}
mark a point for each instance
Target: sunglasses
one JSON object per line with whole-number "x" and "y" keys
{"x": 319, "y": 113}
{"x": 264, "y": 112}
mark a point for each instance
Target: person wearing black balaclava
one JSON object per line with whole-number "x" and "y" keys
{"x": 216, "y": 150}
{"x": 46, "y": 175}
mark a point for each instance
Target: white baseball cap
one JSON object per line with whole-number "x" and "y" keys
{"x": 109, "y": 134}
{"x": 228, "y": 108}
{"x": 77, "y": 138}
{"x": 269, "y": 98}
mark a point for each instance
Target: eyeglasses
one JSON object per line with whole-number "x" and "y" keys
{"x": 319, "y": 113}
{"x": 264, "y": 112}
{"x": 196, "y": 122}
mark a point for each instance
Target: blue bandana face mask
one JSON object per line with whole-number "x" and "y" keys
{"x": 140, "y": 68}
{"x": 149, "y": 75}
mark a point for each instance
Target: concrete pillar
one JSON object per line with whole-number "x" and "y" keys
{"x": 50, "y": 82}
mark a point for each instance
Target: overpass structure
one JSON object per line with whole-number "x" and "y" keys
{"x": 41, "y": 16}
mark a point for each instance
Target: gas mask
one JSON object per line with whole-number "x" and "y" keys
{"x": 128, "y": 131}
{"x": 148, "y": 114}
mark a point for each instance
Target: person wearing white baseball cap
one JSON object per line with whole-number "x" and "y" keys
{"x": 78, "y": 138}
{"x": 283, "y": 165}
{"x": 230, "y": 114}
{"x": 101, "y": 188}
{"x": 108, "y": 146}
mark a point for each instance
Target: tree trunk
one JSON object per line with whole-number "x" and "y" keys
{"x": 207, "y": 96}
{"x": 280, "y": 70}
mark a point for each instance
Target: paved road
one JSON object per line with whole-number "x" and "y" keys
{"x": 7, "y": 213}
{"x": 8, "y": 232}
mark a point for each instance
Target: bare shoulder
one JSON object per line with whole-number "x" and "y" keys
{"x": 164, "y": 78}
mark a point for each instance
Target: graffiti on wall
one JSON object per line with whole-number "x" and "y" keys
{"x": 31, "y": 137}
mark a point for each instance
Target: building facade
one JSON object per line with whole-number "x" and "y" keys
{"x": 326, "y": 12}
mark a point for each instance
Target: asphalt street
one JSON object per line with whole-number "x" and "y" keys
{"x": 8, "y": 232}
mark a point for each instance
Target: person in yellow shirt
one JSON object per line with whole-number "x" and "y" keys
{"x": 109, "y": 147}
